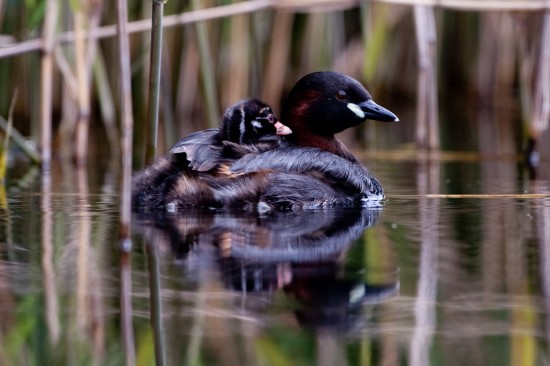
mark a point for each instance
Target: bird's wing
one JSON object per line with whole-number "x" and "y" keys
{"x": 202, "y": 149}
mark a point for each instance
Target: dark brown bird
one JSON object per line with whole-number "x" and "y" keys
{"x": 308, "y": 168}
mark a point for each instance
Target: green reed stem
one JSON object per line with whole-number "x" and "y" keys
{"x": 154, "y": 81}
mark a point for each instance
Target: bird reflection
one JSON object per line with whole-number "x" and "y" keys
{"x": 299, "y": 253}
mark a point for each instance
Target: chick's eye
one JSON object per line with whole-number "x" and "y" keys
{"x": 341, "y": 95}
{"x": 270, "y": 118}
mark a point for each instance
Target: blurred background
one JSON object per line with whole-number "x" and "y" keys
{"x": 463, "y": 76}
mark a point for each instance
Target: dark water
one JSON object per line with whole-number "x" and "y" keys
{"x": 430, "y": 279}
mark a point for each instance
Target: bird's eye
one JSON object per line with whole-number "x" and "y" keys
{"x": 341, "y": 96}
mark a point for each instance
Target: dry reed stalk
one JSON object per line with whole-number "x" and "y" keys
{"x": 188, "y": 81}
{"x": 477, "y": 5}
{"x": 46, "y": 85}
{"x": 2, "y": 11}
{"x": 236, "y": 68}
{"x": 207, "y": 72}
{"x": 106, "y": 104}
{"x": 69, "y": 78}
{"x": 486, "y": 53}
{"x": 144, "y": 25}
{"x": 541, "y": 108}
{"x": 256, "y": 5}
{"x": 314, "y": 43}
{"x": 278, "y": 57}
{"x": 427, "y": 130}
{"x": 258, "y": 33}
{"x": 166, "y": 94}
{"x": 525, "y": 68}
{"x": 70, "y": 96}
{"x": 127, "y": 122}
{"x": 154, "y": 81}
{"x": 126, "y": 114}
{"x": 506, "y": 59}
{"x": 94, "y": 9}
{"x": 83, "y": 86}
{"x": 66, "y": 129}
{"x": 85, "y": 53}
{"x": 317, "y": 5}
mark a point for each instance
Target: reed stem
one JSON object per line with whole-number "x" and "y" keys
{"x": 278, "y": 57}
{"x": 127, "y": 121}
{"x": 106, "y": 104}
{"x": 46, "y": 85}
{"x": 427, "y": 133}
{"x": 151, "y": 146}
{"x": 166, "y": 93}
{"x": 83, "y": 87}
{"x": 212, "y": 109}
{"x": 145, "y": 25}
{"x": 541, "y": 109}
{"x": 154, "y": 81}
{"x": 238, "y": 65}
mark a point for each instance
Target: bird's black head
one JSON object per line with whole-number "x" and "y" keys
{"x": 325, "y": 103}
{"x": 248, "y": 120}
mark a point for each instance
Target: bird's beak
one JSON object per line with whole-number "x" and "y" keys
{"x": 376, "y": 112}
{"x": 282, "y": 130}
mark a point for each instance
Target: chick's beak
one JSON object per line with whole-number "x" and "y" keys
{"x": 376, "y": 112}
{"x": 282, "y": 130}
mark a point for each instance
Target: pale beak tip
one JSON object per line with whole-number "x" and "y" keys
{"x": 282, "y": 130}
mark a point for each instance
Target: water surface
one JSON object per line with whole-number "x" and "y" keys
{"x": 433, "y": 278}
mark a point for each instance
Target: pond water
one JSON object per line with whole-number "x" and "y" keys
{"x": 432, "y": 278}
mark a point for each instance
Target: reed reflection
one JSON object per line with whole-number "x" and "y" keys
{"x": 541, "y": 211}
{"x": 301, "y": 255}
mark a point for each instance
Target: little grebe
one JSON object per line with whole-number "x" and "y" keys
{"x": 239, "y": 168}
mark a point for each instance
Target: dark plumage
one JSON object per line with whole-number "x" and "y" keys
{"x": 177, "y": 180}
{"x": 248, "y": 120}
{"x": 324, "y": 103}
{"x": 257, "y": 170}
